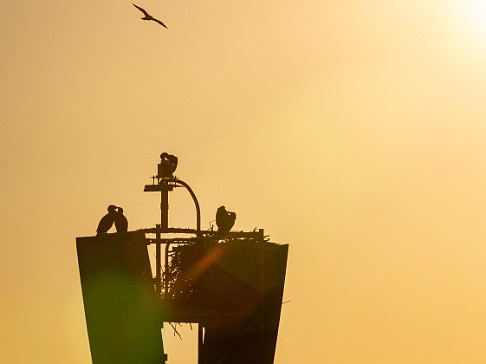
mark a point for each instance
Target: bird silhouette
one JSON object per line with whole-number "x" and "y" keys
{"x": 107, "y": 221}
{"x": 147, "y": 16}
{"x": 168, "y": 165}
{"x": 121, "y": 222}
{"x": 225, "y": 219}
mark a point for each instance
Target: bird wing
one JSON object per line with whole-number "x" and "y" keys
{"x": 158, "y": 21}
{"x": 142, "y": 10}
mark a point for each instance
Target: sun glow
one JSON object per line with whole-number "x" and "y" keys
{"x": 472, "y": 17}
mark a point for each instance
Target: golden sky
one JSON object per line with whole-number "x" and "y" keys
{"x": 353, "y": 130}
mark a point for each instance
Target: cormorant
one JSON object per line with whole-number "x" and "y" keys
{"x": 168, "y": 165}
{"x": 147, "y": 16}
{"x": 121, "y": 222}
{"x": 107, "y": 221}
{"x": 225, "y": 219}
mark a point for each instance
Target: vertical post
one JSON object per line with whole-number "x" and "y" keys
{"x": 164, "y": 224}
{"x": 200, "y": 359}
{"x": 262, "y": 308}
{"x": 164, "y": 206}
{"x": 158, "y": 276}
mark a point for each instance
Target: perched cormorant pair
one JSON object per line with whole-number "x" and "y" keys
{"x": 114, "y": 216}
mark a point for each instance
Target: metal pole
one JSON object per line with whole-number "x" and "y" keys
{"x": 200, "y": 359}
{"x": 164, "y": 207}
{"x": 164, "y": 224}
{"x": 158, "y": 278}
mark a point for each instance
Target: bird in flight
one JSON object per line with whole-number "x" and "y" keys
{"x": 147, "y": 16}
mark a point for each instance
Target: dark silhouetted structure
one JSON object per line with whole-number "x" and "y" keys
{"x": 225, "y": 219}
{"x": 121, "y": 307}
{"x": 107, "y": 221}
{"x": 231, "y": 285}
{"x": 234, "y": 290}
{"x": 147, "y": 16}
{"x": 121, "y": 222}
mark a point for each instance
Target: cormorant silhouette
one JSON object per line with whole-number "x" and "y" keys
{"x": 147, "y": 16}
{"x": 107, "y": 221}
{"x": 225, "y": 219}
{"x": 168, "y": 165}
{"x": 121, "y": 222}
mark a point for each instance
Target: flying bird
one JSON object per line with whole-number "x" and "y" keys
{"x": 147, "y": 16}
{"x": 121, "y": 222}
{"x": 225, "y": 219}
{"x": 107, "y": 221}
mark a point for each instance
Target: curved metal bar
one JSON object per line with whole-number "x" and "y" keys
{"x": 198, "y": 230}
{"x": 193, "y": 195}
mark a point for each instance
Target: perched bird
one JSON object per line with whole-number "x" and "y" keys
{"x": 121, "y": 222}
{"x": 107, "y": 221}
{"x": 147, "y": 16}
{"x": 225, "y": 219}
{"x": 168, "y": 165}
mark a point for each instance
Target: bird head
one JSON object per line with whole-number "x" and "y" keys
{"x": 164, "y": 156}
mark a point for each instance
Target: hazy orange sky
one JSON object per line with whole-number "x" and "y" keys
{"x": 353, "y": 130}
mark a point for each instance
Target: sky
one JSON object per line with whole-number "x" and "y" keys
{"x": 354, "y": 131}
